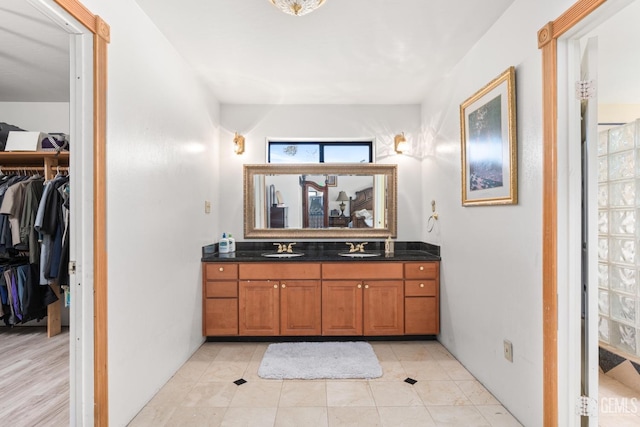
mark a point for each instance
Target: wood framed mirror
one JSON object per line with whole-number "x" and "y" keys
{"x": 279, "y": 200}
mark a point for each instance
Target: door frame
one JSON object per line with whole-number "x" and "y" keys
{"x": 553, "y": 40}
{"x": 95, "y": 278}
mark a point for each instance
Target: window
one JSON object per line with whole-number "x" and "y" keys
{"x": 282, "y": 151}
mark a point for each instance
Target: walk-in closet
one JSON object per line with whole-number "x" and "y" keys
{"x": 35, "y": 206}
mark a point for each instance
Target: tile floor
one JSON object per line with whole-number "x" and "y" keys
{"x": 619, "y": 405}
{"x": 202, "y": 393}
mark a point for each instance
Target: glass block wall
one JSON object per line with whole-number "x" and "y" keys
{"x": 619, "y": 237}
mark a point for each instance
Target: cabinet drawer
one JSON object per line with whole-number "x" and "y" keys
{"x": 420, "y": 288}
{"x": 221, "y": 289}
{"x": 362, "y": 270}
{"x": 279, "y": 270}
{"x": 421, "y": 270}
{"x": 220, "y": 271}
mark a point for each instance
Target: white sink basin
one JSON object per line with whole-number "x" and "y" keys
{"x": 282, "y": 254}
{"x": 359, "y": 254}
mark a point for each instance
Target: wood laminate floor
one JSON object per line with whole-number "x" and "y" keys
{"x": 34, "y": 377}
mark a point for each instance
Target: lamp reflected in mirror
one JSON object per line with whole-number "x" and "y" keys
{"x": 342, "y": 197}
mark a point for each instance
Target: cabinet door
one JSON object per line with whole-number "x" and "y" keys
{"x": 383, "y": 307}
{"x": 300, "y": 307}
{"x": 258, "y": 308}
{"x": 220, "y": 316}
{"x": 342, "y": 307}
{"x": 421, "y": 316}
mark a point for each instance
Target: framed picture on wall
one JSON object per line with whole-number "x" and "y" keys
{"x": 332, "y": 180}
{"x": 489, "y": 145}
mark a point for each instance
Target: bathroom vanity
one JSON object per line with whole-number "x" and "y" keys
{"x": 325, "y": 291}
{"x": 321, "y": 288}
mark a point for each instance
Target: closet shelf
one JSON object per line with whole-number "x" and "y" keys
{"x": 33, "y": 158}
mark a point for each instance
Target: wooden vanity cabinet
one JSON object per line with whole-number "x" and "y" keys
{"x": 369, "y": 302}
{"x": 220, "y": 299}
{"x": 421, "y": 298}
{"x": 279, "y": 299}
{"x": 314, "y": 298}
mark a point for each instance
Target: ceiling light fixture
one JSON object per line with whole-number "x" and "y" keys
{"x": 297, "y": 7}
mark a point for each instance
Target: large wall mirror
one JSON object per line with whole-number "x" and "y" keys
{"x": 320, "y": 201}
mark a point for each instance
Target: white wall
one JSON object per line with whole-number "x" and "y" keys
{"x": 162, "y": 138}
{"x": 618, "y": 113}
{"x": 36, "y": 116}
{"x": 492, "y": 256}
{"x": 257, "y": 122}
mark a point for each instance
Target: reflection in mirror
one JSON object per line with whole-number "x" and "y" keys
{"x": 332, "y": 201}
{"x": 314, "y": 204}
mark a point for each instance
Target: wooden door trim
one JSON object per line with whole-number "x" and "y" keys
{"x": 547, "y": 42}
{"x": 101, "y": 38}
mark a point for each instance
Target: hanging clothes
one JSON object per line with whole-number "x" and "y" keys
{"x": 13, "y": 206}
{"x": 6, "y": 243}
{"x": 54, "y": 224}
{"x": 34, "y": 222}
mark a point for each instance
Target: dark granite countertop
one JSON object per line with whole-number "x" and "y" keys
{"x": 323, "y": 252}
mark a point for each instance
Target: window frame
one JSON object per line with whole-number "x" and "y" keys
{"x": 323, "y": 142}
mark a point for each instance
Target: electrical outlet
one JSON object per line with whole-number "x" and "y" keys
{"x": 508, "y": 350}
{"x": 207, "y": 206}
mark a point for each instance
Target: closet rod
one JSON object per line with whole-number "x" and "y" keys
{"x": 32, "y": 168}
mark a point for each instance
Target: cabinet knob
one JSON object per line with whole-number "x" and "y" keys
{"x": 275, "y": 286}
{"x": 366, "y": 286}
{"x": 422, "y": 285}
{"x": 284, "y": 285}
{"x": 359, "y": 286}
{"x": 221, "y": 269}
{"x": 421, "y": 268}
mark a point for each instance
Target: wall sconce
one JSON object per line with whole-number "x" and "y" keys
{"x": 238, "y": 144}
{"x": 399, "y": 143}
{"x": 342, "y": 197}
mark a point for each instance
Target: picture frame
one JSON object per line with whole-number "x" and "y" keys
{"x": 488, "y": 136}
{"x": 332, "y": 180}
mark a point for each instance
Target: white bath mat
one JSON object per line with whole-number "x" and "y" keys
{"x": 316, "y": 360}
